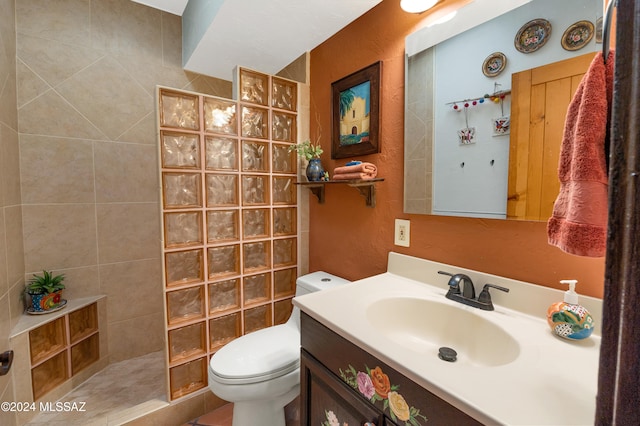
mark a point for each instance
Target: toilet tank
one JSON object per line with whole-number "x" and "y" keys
{"x": 317, "y": 281}
{"x": 311, "y": 283}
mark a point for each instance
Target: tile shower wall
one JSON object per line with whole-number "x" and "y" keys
{"x": 11, "y": 257}
{"x": 86, "y": 78}
{"x": 230, "y": 218}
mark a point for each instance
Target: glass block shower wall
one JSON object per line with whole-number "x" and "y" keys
{"x": 229, "y": 218}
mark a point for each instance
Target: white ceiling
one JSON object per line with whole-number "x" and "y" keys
{"x": 264, "y": 35}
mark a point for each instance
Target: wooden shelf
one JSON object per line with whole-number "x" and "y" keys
{"x": 366, "y": 187}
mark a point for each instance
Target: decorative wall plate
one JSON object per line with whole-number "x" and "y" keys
{"x": 494, "y": 64}
{"x": 577, "y": 35}
{"x": 532, "y": 35}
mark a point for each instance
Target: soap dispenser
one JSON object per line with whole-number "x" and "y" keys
{"x": 568, "y": 319}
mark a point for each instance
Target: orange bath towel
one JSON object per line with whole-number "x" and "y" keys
{"x": 578, "y": 224}
{"x": 357, "y": 171}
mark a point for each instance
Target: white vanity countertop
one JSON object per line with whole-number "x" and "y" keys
{"x": 551, "y": 382}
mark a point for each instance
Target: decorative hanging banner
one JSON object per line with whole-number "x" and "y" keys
{"x": 467, "y": 135}
{"x": 501, "y": 126}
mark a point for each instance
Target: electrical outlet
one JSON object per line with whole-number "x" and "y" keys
{"x": 402, "y": 233}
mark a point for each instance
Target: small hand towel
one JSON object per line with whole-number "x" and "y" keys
{"x": 357, "y": 171}
{"x": 578, "y": 224}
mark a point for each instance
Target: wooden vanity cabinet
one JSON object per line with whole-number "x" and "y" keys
{"x": 340, "y": 381}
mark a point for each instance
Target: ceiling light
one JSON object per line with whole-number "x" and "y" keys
{"x": 417, "y": 6}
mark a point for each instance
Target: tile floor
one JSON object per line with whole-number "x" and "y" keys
{"x": 118, "y": 387}
{"x": 222, "y": 416}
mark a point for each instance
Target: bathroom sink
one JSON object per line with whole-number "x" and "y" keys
{"x": 423, "y": 326}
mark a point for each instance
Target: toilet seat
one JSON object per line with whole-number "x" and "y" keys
{"x": 259, "y": 356}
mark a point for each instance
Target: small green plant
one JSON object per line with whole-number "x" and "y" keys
{"x": 47, "y": 283}
{"x": 307, "y": 150}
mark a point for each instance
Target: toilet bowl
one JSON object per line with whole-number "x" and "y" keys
{"x": 260, "y": 371}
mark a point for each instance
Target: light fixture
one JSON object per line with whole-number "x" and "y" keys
{"x": 446, "y": 18}
{"x": 417, "y": 6}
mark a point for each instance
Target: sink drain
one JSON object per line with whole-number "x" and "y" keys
{"x": 447, "y": 354}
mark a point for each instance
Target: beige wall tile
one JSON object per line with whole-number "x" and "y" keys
{"x": 5, "y": 329}
{"x": 59, "y": 236}
{"x": 15, "y": 244}
{"x": 68, "y": 21}
{"x": 52, "y": 60}
{"x": 105, "y": 94}
{"x": 171, "y": 40}
{"x": 16, "y": 302}
{"x": 130, "y": 284}
{"x": 50, "y": 114}
{"x": 56, "y": 170}
{"x": 135, "y": 337}
{"x": 10, "y": 166}
{"x": 126, "y": 27}
{"x": 126, "y": 172}
{"x": 79, "y": 282}
{"x": 4, "y": 279}
{"x": 7, "y": 418}
{"x": 128, "y": 232}
{"x": 144, "y": 131}
{"x": 29, "y": 85}
{"x": 8, "y": 96}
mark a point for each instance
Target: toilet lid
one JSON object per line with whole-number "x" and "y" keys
{"x": 262, "y": 355}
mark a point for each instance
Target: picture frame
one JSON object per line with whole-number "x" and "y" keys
{"x": 355, "y": 113}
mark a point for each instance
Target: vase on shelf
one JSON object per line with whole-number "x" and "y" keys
{"x": 315, "y": 172}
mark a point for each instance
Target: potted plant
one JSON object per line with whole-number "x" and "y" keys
{"x": 45, "y": 291}
{"x": 311, "y": 152}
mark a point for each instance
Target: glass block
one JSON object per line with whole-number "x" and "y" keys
{"x": 220, "y": 116}
{"x": 255, "y": 223}
{"x": 224, "y": 329}
{"x": 188, "y": 378}
{"x": 283, "y": 127}
{"x": 255, "y": 156}
{"x": 224, "y": 296}
{"x": 222, "y": 190}
{"x": 221, "y": 153}
{"x": 185, "y": 304}
{"x": 284, "y": 282}
{"x": 182, "y": 229}
{"x": 284, "y": 252}
{"x": 256, "y": 289}
{"x": 284, "y": 161}
{"x": 257, "y": 318}
{"x": 284, "y": 94}
{"x": 222, "y": 226}
{"x": 181, "y": 190}
{"x": 284, "y": 190}
{"x": 255, "y": 123}
{"x": 256, "y": 256}
{"x": 255, "y": 190}
{"x": 282, "y": 311}
{"x": 285, "y": 221}
{"x": 186, "y": 342}
{"x": 180, "y": 150}
{"x": 224, "y": 260}
{"x": 184, "y": 267}
{"x": 179, "y": 110}
{"x": 254, "y": 87}
{"x": 85, "y": 353}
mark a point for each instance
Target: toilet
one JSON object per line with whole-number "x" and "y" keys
{"x": 260, "y": 371}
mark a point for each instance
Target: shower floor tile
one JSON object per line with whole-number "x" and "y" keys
{"x": 119, "y": 386}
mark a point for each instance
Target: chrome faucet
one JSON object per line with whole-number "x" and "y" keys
{"x": 468, "y": 294}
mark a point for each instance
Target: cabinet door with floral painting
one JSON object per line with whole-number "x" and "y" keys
{"x": 326, "y": 401}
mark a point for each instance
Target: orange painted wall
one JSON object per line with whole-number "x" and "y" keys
{"x": 351, "y": 240}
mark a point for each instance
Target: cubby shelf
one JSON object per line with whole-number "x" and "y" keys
{"x": 366, "y": 187}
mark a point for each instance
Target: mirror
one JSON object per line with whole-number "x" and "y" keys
{"x": 456, "y": 157}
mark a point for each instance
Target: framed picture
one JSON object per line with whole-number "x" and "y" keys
{"x": 356, "y": 113}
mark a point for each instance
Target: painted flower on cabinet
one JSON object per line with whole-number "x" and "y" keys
{"x": 332, "y": 419}
{"x": 375, "y": 386}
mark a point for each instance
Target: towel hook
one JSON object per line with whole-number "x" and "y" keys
{"x": 606, "y": 29}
